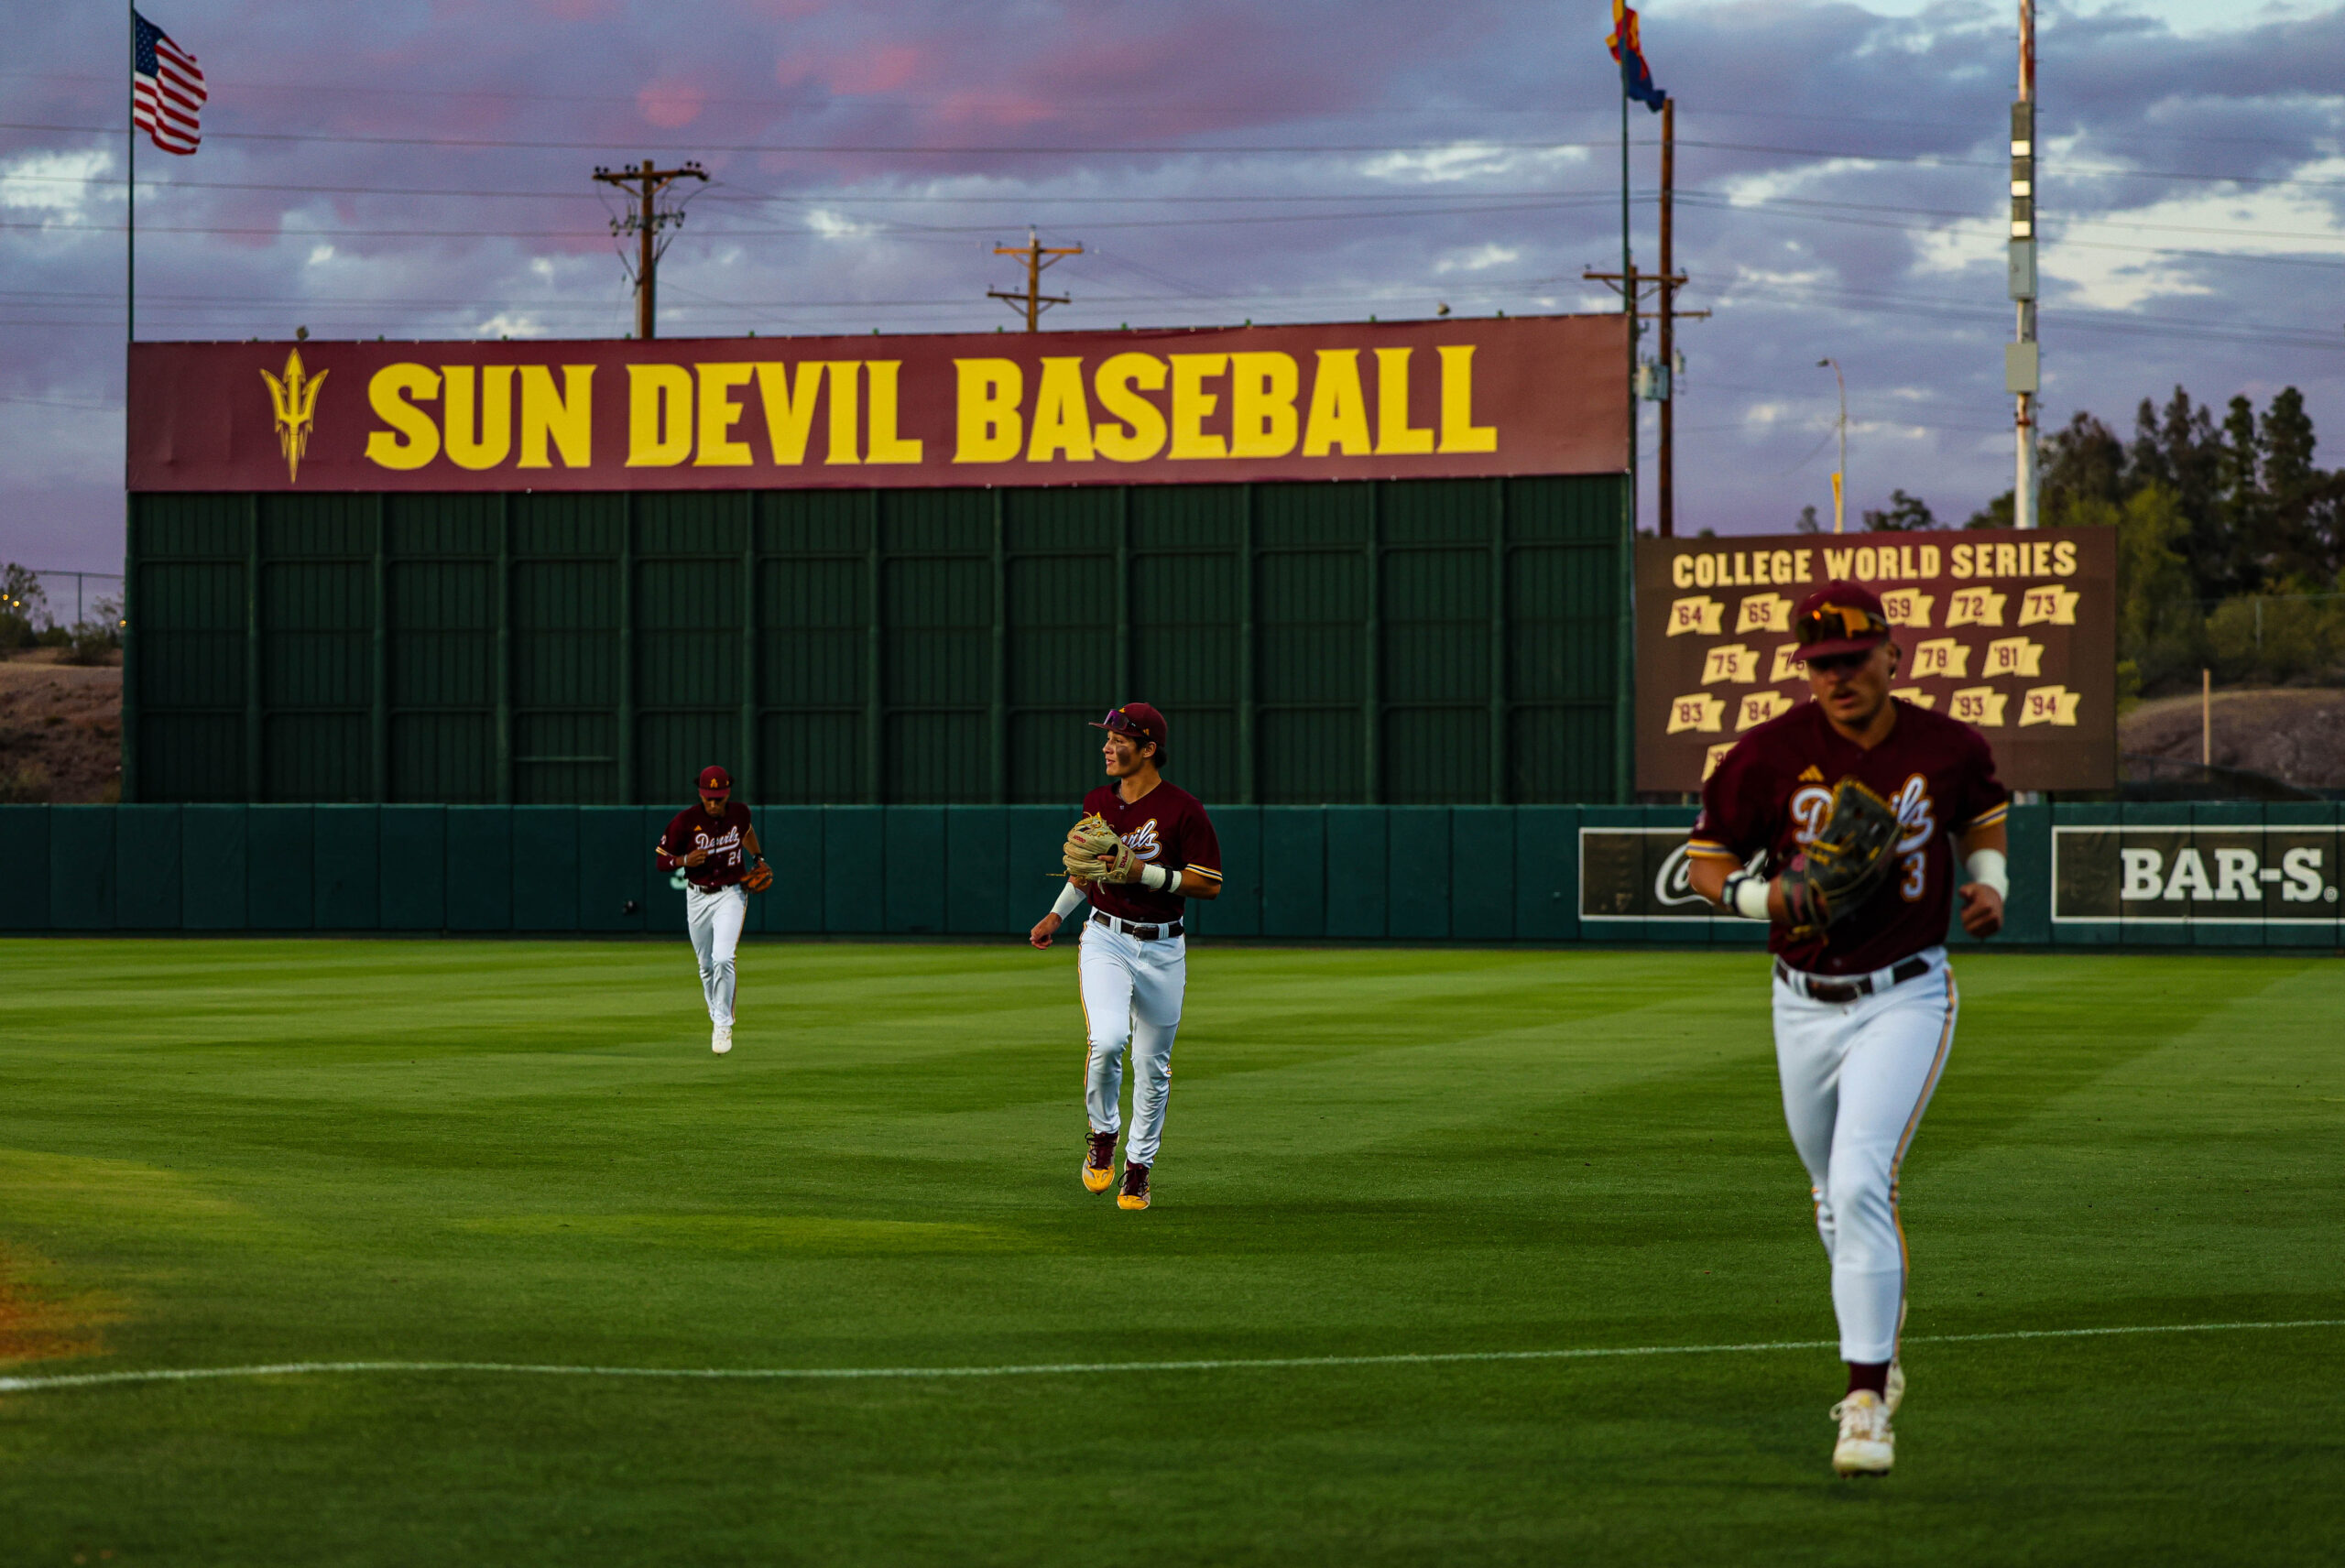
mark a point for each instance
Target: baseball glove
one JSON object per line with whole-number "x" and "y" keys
{"x": 1851, "y": 855}
{"x": 1094, "y": 852}
{"x": 760, "y": 878}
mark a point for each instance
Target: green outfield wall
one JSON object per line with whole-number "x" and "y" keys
{"x": 2228, "y": 875}
{"x": 1435, "y": 641}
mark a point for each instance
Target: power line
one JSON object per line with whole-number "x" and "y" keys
{"x": 281, "y": 233}
{"x": 2067, "y": 170}
{"x": 1122, "y": 108}
{"x": 1455, "y": 145}
{"x": 858, "y": 150}
{"x": 1716, "y": 200}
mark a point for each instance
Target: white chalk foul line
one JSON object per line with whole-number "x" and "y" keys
{"x": 1084, "y": 1369}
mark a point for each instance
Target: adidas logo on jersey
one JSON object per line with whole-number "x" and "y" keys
{"x": 1811, "y": 775}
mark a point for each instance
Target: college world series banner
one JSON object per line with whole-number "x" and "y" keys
{"x": 2013, "y": 631}
{"x": 1361, "y": 401}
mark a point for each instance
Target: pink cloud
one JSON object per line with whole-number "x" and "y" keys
{"x": 990, "y": 106}
{"x": 670, "y": 102}
{"x": 882, "y": 70}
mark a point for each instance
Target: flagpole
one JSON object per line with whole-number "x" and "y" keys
{"x": 127, "y": 790}
{"x": 130, "y": 194}
{"x": 1624, "y": 714}
{"x": 1628, "y": 297}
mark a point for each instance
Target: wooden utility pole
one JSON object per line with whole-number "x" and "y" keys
{"x": 647, "y": 183}
{"x": 1657, "y": 381}
{"x": 1666, "y": 480}
{"x": 1037, "y": 256}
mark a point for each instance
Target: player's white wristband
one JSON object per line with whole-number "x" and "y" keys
{"x": 1070, "y": 899}
{"x": 1746, "y": 895}
{"x": 1990, "y": 867}
{"x": 1160, "y": 877}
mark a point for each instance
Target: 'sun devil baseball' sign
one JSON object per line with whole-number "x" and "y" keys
{"x": 2013, "y": 632}
{"x": 1457, "y": 398}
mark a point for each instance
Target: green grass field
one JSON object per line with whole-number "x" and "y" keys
{"x": 229, "y": 1153}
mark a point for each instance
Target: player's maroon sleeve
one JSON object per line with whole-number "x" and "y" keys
{"x": 1199, "y": 850}
{"x": 675, "y": 843}
{"x": 1986, "y": 803}
{"x": 1729, "y": 827}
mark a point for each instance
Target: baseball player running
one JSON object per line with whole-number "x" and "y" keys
{"x": 713, "y": 845}
{"x": 1857, "y": 801}
{"x": 1143, "y": 848}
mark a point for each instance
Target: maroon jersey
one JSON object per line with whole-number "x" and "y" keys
{"x": 1165, "y": 827}
{"x": 1774, "y": 790}
{"x": 692, "y": 827}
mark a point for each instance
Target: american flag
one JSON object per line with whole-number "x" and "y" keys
{"x": 166, "y": 88}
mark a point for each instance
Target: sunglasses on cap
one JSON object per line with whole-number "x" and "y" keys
{"x": 1122, "y": 723}
{"x": 1828, "y": 623}
{"x": 1825, "y": 664}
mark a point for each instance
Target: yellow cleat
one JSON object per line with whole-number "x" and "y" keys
{"x": 1100, "y": 1163}
{"x": 1135, "y": 1192}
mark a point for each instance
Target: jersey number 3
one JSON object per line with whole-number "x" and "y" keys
{"x": 1917, "y": 874}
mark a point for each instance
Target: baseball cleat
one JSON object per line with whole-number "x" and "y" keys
{"x": 1100, "y": 1163}
{"x": 720, "y": 1039}
{"x": 1135, "y": 1192}
{"x": 1867, "y": 1446}
{"x": 1896, "y": 1394}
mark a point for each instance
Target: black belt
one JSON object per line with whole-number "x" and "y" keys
{"x": 1145, "y": 933}
{"x": 1836, "y": 993}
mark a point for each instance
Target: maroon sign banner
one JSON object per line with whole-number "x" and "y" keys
{"x": 1536, "y": 395}
{"x": 2015, "y": 632}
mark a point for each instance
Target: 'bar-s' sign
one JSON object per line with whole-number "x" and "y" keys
{"x": 2243, "y": 875}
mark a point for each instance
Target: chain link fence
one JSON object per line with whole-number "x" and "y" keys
{"x": 78, "y": 612}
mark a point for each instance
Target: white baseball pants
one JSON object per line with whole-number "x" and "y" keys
{"x": 715, "y": 921}
{"x": 1131, "y": 997}
{"x": 1857, "y": 1077}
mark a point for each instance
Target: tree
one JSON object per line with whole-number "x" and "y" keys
{"x": 2256, "y": 506}
{"x": 2159, "y": 625}
{"x": 1807, "y": 523}
{"x": 2300, "y": 501}
{"x": 23, "y": 606}
{"x": 1906, "y": 514}
{"x": 1995, "y": 514}
{"x": 2083, "y": 461}
{"x": 2181, "y": 450}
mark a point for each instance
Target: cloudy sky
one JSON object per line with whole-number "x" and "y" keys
{"x": 419, "y": 169}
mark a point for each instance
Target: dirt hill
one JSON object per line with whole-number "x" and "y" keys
{"x": 2290, "y": 733}
{"x": 61, "y": 729}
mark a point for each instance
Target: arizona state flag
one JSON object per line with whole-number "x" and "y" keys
{"x": 1636, "y": 76}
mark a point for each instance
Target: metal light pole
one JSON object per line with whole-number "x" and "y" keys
{"x": 1839, "y": 475}
{"x": 2023, "y": 371}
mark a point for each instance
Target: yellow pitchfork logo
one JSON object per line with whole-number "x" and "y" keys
{"x": 296, "y": 400}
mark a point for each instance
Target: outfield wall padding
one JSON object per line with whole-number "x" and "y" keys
{"x": 1347, "y": 874}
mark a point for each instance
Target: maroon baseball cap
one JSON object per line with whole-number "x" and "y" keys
{"x": 1840, "y": 617}
{"x": 715, "y": 781}
{"x": 1137, "y": 720}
